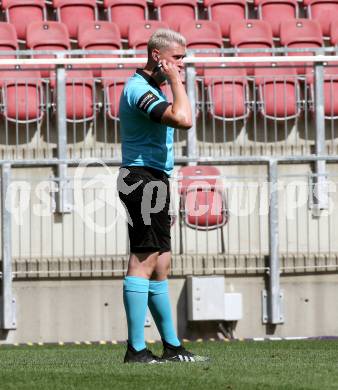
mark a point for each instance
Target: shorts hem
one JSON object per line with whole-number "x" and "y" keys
{"x": 145, "y": 249}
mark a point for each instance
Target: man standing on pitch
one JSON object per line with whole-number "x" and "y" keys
{"x": 147, "y": 123}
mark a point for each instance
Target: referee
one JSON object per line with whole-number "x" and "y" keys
{"x": 147, "y": 123}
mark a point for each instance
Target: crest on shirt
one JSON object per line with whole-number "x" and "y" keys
{"x": 146, "y": 100}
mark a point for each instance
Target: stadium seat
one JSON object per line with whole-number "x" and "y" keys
{"x": 330, "y": 90}
{"x": 324, "y": 11}
{"x": 176, "y": 12}
{"x": 301, "y": 34}
{"x": 113, "y": 81}
{"x": 202, "y": 203}
{"x": 274, "y": 11}
{"x": 140, "y": 32}
{"x": 80, "y": 95}
{"x": 99, "y": 36}
{"x": 74, "y": 12}
{"x": 227, "y": 93}
{"x": 251, "y": 34}
{"x": 23, "y": 12}
{"x": 202, "y": 34}
{"x": 8, "y": 39}
{"x": 225, "y": 12}
{"x": 21, "y": 96}
{"x": 125, "y": 13}
{"x": 334, "y": 32}
{"x": 47, "y": 35}
{"x": 278, "y": 92}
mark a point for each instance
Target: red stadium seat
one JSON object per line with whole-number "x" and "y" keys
{"x": 301, "y": 34}
{"x": 113, "y": 82}
{"x": 74, "y": 12}
{"x": 203, "y": 205}
{"x": 176, "y": 12}
{"x": 140, "y": 32}
{"x": 324, "y": 11}
{"x": 8, "y": 39}
{"x": 274, "y": 11}
{"x": 99, "y": 36}
{"x": 334, "y": 32}
{"x": 80, "y": 103}
{"x": 225, "y": 12}
{"x": 251, "y": 34}
{"x": 21, "y": 96}
{"x": 227, "y": 91}
{"x": 47, "y": 35}
{"x": 278, "y": 92}
{"x": 23, "y": 12}
{"x": 330, "y": 90}
{"x": 125, "y": 13}
{"x": 202, "y": 34}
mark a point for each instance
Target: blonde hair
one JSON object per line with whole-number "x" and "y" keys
{"x": 162, "y": 39}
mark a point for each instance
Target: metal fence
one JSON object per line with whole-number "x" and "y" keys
{"x": 94, "y": 234}
{"x": 92, "y": 238}
{"x": 307, "y": 242}
{"x": 240, "y": 108}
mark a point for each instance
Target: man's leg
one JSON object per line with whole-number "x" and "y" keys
{"x": 159, "y": 302}
{"x": 160, "y": 308}
{"x": 135, "y": 295}
{"x": 144, "y": 246}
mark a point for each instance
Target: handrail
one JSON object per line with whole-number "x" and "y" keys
{"x": 187, "y": 60}
{"x": 132, "y": 52}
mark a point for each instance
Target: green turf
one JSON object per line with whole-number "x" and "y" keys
{"x": 235, "y": 365}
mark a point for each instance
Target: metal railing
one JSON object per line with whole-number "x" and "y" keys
{"x": 242, "y": 108}
{"x": 271, "y": 224}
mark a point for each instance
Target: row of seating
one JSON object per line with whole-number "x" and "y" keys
{"x": 247, "y": 34}
{"x": 102, "y": 35}
{"x": 174, "y": 13}
{"x": 277, "y": 93}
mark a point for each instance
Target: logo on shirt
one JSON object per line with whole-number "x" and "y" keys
{"x": 146, "y": 100}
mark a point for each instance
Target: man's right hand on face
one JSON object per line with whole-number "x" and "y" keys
{"x": 171, "y": 72}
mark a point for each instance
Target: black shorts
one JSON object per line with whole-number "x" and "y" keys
{"x": 145, "y": 195}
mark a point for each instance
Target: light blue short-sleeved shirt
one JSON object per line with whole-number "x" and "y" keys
{"x": 145, "y": 141}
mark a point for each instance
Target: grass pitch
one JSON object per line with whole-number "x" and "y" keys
{"x": 308, "y": 364}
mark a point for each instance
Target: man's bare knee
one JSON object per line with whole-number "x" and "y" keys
{"x": 159, "y": 275}
{"x": 162, "y": 267}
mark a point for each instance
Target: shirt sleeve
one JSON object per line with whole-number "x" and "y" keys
{"x": 149, "y": 102}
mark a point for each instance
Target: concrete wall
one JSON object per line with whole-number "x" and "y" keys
{"x": 92, "y": 310}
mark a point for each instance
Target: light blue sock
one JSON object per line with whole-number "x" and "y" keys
{"x": 135, "y": 298}
{"x": 159, "y": 305}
